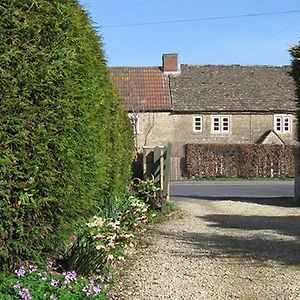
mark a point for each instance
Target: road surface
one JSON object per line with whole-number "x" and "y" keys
{"x": 262, "y": 192}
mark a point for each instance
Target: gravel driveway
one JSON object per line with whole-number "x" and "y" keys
{"x": 220, "y": 250}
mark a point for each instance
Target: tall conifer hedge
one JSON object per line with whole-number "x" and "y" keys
{"x": 65, "y": 142}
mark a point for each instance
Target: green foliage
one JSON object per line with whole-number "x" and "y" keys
{"x": 34, "y": 283}
{"x": 295, "y": 52}
{"x": 147, "y": 190}
{"x": 102, "y": 241}
{"x": 65, "y": 141}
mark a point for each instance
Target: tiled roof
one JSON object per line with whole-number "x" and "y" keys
{"x": 233, "y": 88}
{"x": 142, "y": 88}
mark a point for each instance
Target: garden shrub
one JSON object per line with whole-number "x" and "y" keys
{"x": 101, "y": 243}
{"x": 65, "y": 141}
{"x": 148, "y": 190}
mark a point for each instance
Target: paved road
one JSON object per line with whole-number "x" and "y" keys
{"x": 249, "y": 191}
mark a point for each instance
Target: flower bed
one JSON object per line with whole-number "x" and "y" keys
{"x": 81, "y": 273}
{"x": 46, "y": 283}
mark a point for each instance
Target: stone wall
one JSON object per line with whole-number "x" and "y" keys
{"x": 155, "y": 129}
{"x": 244, "y": 129}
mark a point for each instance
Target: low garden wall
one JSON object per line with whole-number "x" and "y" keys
{"x": 242, "y": 161}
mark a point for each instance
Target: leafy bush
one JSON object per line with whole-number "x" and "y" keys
{"x": 35, "y": 283}
{"x": 102, "y": 241}
{"x": 65, "y": 141}
{"x": 147, "y": 190}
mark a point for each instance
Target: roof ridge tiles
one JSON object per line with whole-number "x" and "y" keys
{"x": 136, "y": 67}
{"x": 236, "y": 65}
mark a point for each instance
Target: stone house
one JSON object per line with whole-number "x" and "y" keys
{"x": 208, "y": 104}
{"x": 146, "y": 96}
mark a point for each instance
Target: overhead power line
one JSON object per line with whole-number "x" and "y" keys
{"x": 203, "y": 19}
{"x": 261, "y": 42}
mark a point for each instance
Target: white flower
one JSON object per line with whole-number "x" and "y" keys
{"x": 99, "y": 236}
{"x": 129, "y": 235}
{"x": 114, "y": 224}
{"x": 121, "y": 258}
{"x": 96, "y": 222}
{"x": 110, "y": 257}
{"x": 101, "y": 247}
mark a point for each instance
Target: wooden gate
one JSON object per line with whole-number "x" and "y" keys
{"x": 156, "y": 164}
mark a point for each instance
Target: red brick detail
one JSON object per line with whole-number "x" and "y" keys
{"x": 170, "y": 62}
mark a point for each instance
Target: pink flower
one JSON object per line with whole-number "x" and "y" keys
{"x": 112, "y": 295}
{"x": 32, "y": 268}
{"x": 49, "y": 264}
{"x": 20, "y": 272}
{"x": 54, "y": 282}
{"x": 25, "y": 295}
{"x": 69, "y": 276}
{"x": 17, "y": 285}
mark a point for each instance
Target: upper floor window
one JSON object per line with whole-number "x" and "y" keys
{"x": 282, "y": 123}
{"x": 220, "y": 124}
{"x": 197, "y": 124}
{"x": 135, "y": 123}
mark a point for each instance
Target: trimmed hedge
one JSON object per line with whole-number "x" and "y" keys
{"x": 65, "y": 141}
{"x": 242, "y": 161}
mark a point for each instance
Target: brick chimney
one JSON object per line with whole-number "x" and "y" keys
{"x": 170, "y": 63}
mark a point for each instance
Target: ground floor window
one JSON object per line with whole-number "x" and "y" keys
{"x": 135, "y": 123}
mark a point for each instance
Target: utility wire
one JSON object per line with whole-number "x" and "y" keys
{"x": 202, "y": 19}
{"x": 261, "y": 42}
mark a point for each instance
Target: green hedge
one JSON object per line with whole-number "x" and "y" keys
{"x": 65, "y": 140}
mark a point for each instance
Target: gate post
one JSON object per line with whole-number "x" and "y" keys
{"x": 297, "y": 174}
{"x": 156, "y": 164}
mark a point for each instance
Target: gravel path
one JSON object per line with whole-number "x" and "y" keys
{"x": 220, "y": 250}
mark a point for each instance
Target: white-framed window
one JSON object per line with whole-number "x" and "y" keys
{"x": 197, "y": 125}
{"x": 220, "y": 124}
{"x": 135, "y": 123}
{"x": 282, "y": 123}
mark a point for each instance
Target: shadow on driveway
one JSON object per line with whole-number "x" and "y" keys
{"x": 265, "y": 238}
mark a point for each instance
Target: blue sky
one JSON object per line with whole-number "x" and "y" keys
{"x": 240, "y": 40}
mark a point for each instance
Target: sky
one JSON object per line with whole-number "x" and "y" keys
{"x": 248, "y": 32}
